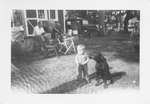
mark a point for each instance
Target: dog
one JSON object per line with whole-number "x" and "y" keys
{"x": 102, "y": 70}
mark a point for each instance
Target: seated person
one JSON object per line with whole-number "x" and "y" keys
{"x": 132, "y": 27}
{"x": 39, "y": 32}
{"x": 48, "y": 28}
{"x": 17, "y": 32}
{"x": 57, "y": 30}
{"x": 17, "y": 35}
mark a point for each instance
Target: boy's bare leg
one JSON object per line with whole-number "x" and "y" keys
{"x": 79, "y": 72}
{"x": 85, "y": 72}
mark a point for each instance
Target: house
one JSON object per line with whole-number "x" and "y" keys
{"x": 29, "y": 18}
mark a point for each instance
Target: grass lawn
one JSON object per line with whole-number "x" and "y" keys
{"x": 58, "y": 74}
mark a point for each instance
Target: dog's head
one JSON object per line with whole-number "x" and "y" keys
{"x": 98, "y": 57}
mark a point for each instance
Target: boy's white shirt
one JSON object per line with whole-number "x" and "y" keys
{"x": 78, "y": 58}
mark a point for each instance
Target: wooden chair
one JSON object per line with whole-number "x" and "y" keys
{"x": 69, "y": 43}
{"x": 51, "y": 47}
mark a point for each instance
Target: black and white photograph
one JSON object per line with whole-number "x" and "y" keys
{"x": 74, "y": 51}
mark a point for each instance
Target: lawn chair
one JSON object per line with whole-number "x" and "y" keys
{"x": 67, "y": 44}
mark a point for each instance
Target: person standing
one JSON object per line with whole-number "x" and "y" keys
{"x": 82, "y": 60}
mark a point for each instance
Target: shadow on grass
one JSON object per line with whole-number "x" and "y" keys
{"x": 66, "y": 87}
{"x": 130, "y": 57}
{"x": 28, "y": 59}
{"x": 74, "y": 84}
{"x": 118, "y": 75}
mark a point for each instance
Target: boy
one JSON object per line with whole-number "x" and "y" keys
{"x": 81, "y": 61}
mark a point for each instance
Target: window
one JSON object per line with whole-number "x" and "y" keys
{"x": 17, "y": 17}
{"x": 41, "y": 14}
{"x": 31, "y": 14}
{"x": 52, "y": 14}
{"x": 30, "y": 25}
